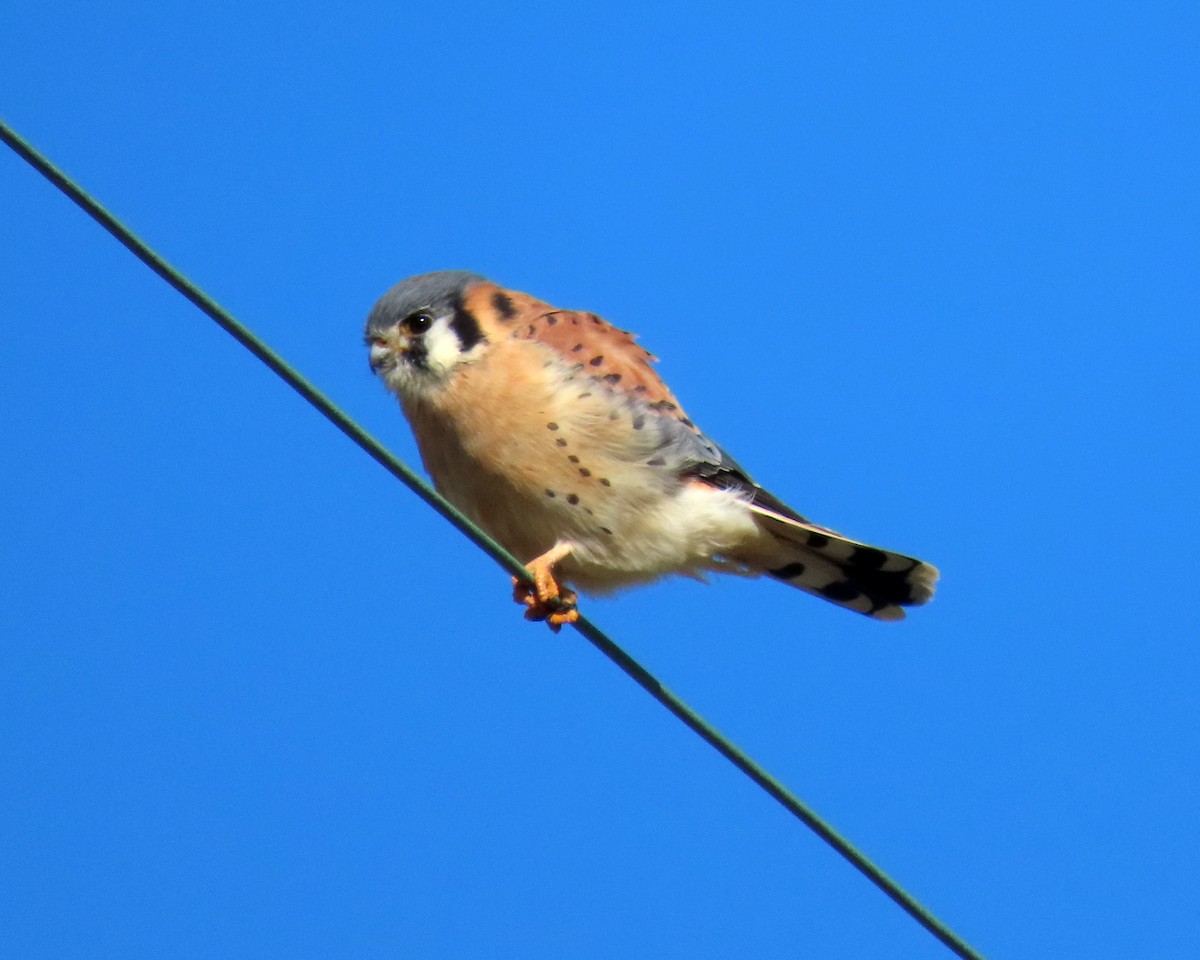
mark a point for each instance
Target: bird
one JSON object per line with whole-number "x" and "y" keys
{"x": 551, "y": 430}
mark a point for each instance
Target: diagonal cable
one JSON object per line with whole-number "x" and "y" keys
{"x": 405, "y": 475}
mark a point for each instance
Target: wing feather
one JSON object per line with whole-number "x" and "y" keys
{"x": 610, "y": 358}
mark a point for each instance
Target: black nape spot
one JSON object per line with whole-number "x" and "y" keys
{"x": 663, "y": 405}
{"x": 686, "y": 422}
{"x": 840, "y": 590}
{"x": 561, "y": 442}
{"x": 575, "y": 320}
{"x": 585, "y": 395}
{"x": 606, "y": 481}
{"x": 552, "y": 425}
{"x": 788, "y": 572}
{"x": 532, "y": 329}
{"x": 551, "y": 319}
{"x": 572, "y": 499}
{"x": 606, "y": 530}
{"x": 597, "y": 321}
{"x": 638, "y": 422}
{"x": 577, "y": 348}
{"x": 585, "y": 472}
{"x": 504, "y": 305}
{"x": 551, "y": 494}
{"x": 639, "y": 389}
{"x": 613, "y": 377}
{"x": 656, "y": 462}
{"x": 597, "y": 360}
{"x": 573, "y": 458}
{"x": 818, "y": 540}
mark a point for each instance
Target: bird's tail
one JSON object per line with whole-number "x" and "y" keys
{"x": 853, "y": 575}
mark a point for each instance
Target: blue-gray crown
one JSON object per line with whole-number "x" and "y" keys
{"x": 437, "y": 292}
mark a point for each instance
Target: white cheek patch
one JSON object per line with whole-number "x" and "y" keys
{"x": 431, "y": 361}
{"x": 443, "y": 352}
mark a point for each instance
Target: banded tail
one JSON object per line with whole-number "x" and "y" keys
{"x": 866, "y": 579}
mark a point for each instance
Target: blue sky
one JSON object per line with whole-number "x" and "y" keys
{"x": 930, "y": 273}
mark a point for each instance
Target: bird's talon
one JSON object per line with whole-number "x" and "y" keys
{"x": 559, "y": 617}
{"x": 523, "y": 593}
{"x": 545, "y": 601}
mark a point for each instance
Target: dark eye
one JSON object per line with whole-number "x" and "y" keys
{"x": 417, "y": 322}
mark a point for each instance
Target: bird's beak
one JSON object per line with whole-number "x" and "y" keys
{"x": 385, "y": 355}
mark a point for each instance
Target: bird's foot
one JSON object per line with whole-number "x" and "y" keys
{"x": 546, "y": 599}
{"x": 555, "y": 611}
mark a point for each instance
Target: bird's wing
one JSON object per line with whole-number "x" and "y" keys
{"x": 609, "y": 357}
{"x": 595, "y": 346}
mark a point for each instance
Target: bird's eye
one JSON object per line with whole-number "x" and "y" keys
{"x": 417, "y": 322}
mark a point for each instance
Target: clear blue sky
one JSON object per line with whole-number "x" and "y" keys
{"x": 930, "y": 273}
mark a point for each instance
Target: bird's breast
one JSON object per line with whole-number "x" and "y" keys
{"x": 530, "y": 450}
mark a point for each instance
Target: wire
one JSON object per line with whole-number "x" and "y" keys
{"x": 401, "y": 472}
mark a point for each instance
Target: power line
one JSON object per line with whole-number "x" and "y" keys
{"x": 401, "y": 472}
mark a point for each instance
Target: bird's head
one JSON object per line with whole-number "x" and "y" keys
{"x": 420, "y": 331}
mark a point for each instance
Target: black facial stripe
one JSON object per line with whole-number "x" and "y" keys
{"x": 466, "y": 326}
{"x": 418, "y": 353}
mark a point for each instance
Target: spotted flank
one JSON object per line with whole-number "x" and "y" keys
{"x": 853, "y": 575}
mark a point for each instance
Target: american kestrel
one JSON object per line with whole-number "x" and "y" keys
{"x": 550, "y": 429}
